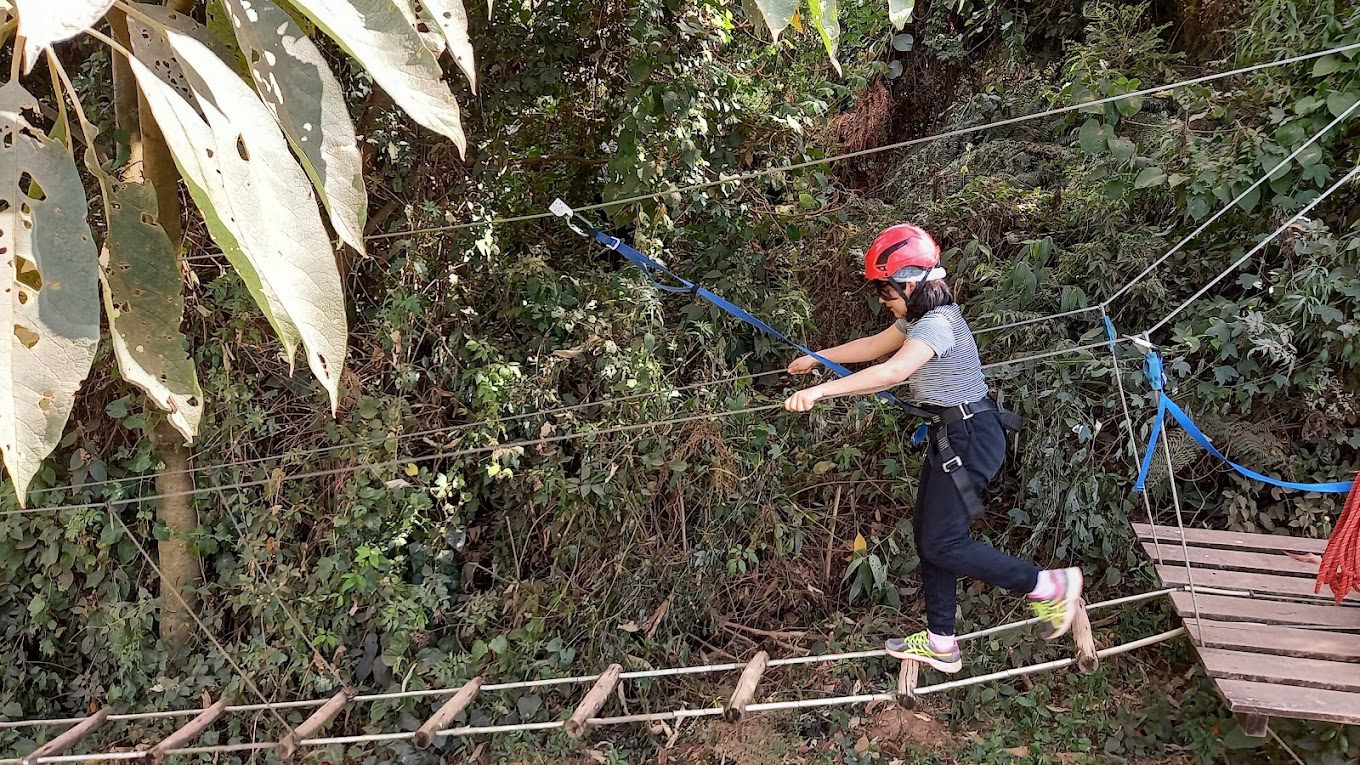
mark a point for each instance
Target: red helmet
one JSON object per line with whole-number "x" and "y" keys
{"x": 898, "y": 247}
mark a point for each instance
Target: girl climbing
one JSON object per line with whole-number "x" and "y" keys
{"x": 932, "y": 349}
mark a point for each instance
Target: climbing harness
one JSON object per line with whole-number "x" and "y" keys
{"x": 900, "y": 246}
{"x": 936, "y": 430}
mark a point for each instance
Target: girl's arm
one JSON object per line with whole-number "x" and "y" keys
{"x": 909, "y": 358}
{"x": 864, "y": 349}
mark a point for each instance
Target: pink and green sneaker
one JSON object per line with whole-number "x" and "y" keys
{"x": 1056, "y": 611}
{"x": 916, "y": 647}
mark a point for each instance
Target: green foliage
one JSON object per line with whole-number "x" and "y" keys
{"x": 637, "y": 546}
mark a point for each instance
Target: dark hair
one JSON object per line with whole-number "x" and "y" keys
{"x": 927, "y": 297}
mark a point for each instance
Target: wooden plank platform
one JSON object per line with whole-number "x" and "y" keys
{"x": 1273, "y": 646}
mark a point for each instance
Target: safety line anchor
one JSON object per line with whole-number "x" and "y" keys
{"x": 563, "y": 210}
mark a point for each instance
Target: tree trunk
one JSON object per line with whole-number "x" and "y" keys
{"x": 149, "y": 161}
{"x": 180, "y": 569}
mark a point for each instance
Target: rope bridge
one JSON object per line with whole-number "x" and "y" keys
{"x": 459, "y": 699}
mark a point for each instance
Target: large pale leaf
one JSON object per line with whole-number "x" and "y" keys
{"x": 142, "y": 290}
{"x": 248, "y": 185}
{"x": 293, "y": 80}
{"x": 899, "y": 12}
{"x": 377, "y": 35}
{"x": 144, "y": 302}
{"x": 185, "y": 128}
{"x": 824, "y": 14}
{"x": 452, "y": 20}
{"x": 776, "y": 13}
{"x": 161, "y": 16}
{"x": 49, "y": 306}
{"x": 43, "y": 22}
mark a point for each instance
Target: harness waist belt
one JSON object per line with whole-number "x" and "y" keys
{"x": 940, "y": 418}
{"x": 947, "y": 415}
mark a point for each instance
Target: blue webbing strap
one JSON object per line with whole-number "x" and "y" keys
{"x": 650, "y": 267}
{"x": 1165, "y": 406}
{"x": 1110, "y": 334}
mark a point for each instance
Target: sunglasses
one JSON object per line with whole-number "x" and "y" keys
{"x": 887, "y": 290}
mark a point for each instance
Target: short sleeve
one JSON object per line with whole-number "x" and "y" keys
{"x": 936, "y": 331}
{"x": 903, "y": 326}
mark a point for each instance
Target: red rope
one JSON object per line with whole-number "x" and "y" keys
{"x": 1340, "y": 567}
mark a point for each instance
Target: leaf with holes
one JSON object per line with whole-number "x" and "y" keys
{"x": 450, "y": 16}
{"x": 187, "y": 130}
{"x": 43, "y": 22}
{"x": 428, "y": 31}
{"x": 293, "y": 80}
{"x": 825, "y": 20}
{"x": 775, "y": 13}
{"x": 256, "y": 200}
{"x": 899, "y": 12}
{"x": 49, "y": 271}
{"x": 377, "y": 35}
{"x": 144, "y": 301}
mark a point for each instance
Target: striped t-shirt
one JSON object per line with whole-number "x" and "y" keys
{"x": 954, "y": 374}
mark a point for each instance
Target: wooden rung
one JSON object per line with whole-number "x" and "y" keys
{"x": 69, "y": 738}
{"x": 322, "y": 717}
{"x": 445, "y": 714}
{"x": 189, "y": 732}
{"x": 906, "y": 684}
{"x": 1087, "y": 661}
{"x": 746, "y": 687}
{"x": 594, "y": 701}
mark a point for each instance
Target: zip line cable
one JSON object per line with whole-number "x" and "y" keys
{"x": 1252, "y": 252}
{"x": 399, "y": 461}
{"x": 754, "y": 174}
{"x": 1223, "y": 210}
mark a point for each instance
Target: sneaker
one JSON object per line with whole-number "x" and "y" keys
{"x": 916, "y": 647}
{"x": 1056, "y": 612}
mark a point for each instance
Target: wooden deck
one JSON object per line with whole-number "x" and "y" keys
{"x": 1273, "y": 647}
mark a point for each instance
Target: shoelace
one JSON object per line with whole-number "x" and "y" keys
{"x": 1048, "y": 609}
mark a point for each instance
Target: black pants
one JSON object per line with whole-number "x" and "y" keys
{"x": 941, "y": 524}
